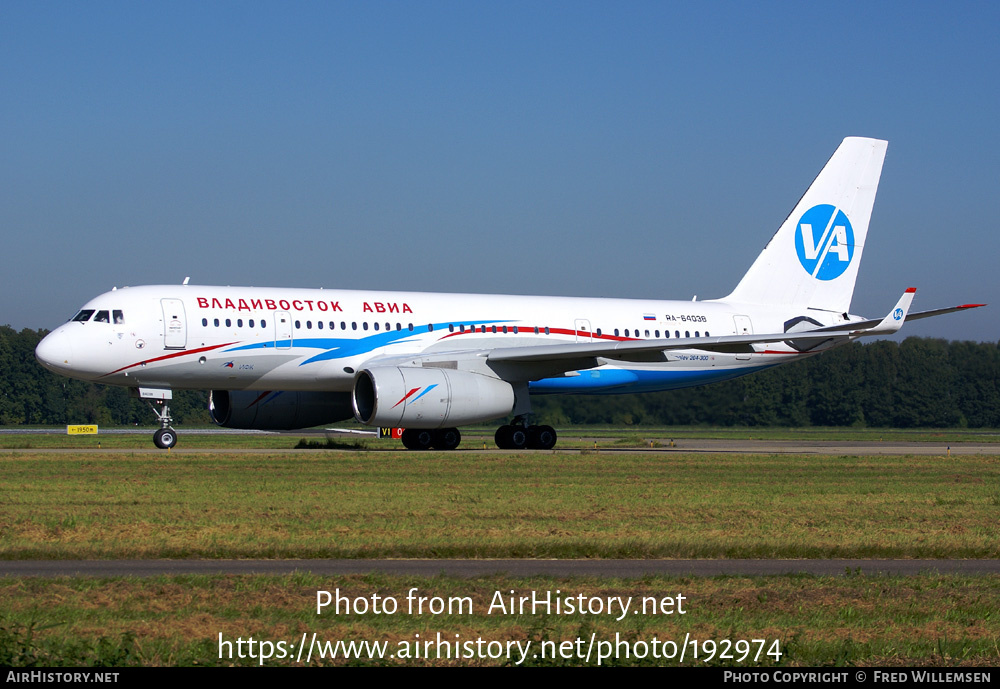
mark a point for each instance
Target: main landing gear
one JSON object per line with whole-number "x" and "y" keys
{"x": 166, "y": 437}
{"x": 425, "y": 439}
{"x": 519, "y": 435}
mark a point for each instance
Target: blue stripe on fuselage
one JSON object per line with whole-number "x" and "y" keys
{"x": 618, "y": 381}
{"x": 345, "y": 347}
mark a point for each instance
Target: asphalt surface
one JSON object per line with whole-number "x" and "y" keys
{"x": 796, "y": 447}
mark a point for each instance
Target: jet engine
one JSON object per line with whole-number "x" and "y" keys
{"x": 277, "y": 411}
{"x": 428, "y": 397}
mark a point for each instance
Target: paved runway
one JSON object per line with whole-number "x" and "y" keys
{"x": 798, "y": 447}
{"x": 472, "y": 568}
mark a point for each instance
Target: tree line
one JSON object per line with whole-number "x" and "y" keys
{"x": 31, "y": 395}
{"x": 919, "y": 382}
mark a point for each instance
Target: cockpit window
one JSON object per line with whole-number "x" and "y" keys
{"x": 84, "y": 315}
{"x": 102, "y": 317}
{"x": 118, "y": 316}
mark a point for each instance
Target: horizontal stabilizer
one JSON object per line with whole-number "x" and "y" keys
{"x": 940, "y": 312}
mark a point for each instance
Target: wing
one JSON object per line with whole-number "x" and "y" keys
{"x": 657, "y": 350}
{"x": 576, "y": 356}
{"x": 534, "y": 362}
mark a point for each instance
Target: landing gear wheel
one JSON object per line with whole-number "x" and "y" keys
{"x": 511, "y": 438}
{"x": 417, "y": 439}
{"x": 165, "y": 438}
{"x": 541, "y": 437}
{"x": 518, "y": 437}
{"x": 446, "y": 439}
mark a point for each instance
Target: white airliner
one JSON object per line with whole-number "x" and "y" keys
{"x": 278, "y": 358}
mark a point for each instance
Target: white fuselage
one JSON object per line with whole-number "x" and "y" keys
{"x": 254, "y": 338}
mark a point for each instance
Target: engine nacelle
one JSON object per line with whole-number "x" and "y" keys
{"x": 428, "y": 397}
{"x": 277, "y": 411}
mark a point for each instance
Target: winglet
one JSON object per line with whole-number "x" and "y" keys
{"x": 895, "y": 318}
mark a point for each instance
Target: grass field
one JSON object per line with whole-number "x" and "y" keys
{"x": 850, "y": 620}
{"x": 577, "y": 504}
{"x": 592, "y": 505}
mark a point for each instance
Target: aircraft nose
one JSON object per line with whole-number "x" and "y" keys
{"x": 55, "y": 351}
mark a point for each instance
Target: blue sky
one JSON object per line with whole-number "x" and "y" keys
{"x": 597, "y": 149}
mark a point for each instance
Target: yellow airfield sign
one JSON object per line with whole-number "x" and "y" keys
{"x": 81, "y": 430}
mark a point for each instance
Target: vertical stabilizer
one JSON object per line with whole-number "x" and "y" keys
{"x": 812, "y": 260}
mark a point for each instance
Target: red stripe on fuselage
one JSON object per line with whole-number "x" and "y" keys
{"x": 530, "y": 330}
{"x": 168, "y": 356}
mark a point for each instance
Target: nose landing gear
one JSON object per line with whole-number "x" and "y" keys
{"x": 166, "y": 437}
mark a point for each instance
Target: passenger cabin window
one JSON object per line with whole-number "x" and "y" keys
{"x": 84, "y": 315}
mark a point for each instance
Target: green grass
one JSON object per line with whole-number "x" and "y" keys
{"x": 542, "y": 505}
{"x": 818, "y": 621}
{"x": 480, "y": 437}
{"x": 335, "y": 503}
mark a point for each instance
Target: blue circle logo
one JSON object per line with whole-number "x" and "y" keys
{"x": 824, "y": 241}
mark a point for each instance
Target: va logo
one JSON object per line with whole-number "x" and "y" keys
{"x": 824, "y": 241}
{"x": 897, "y": 314}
